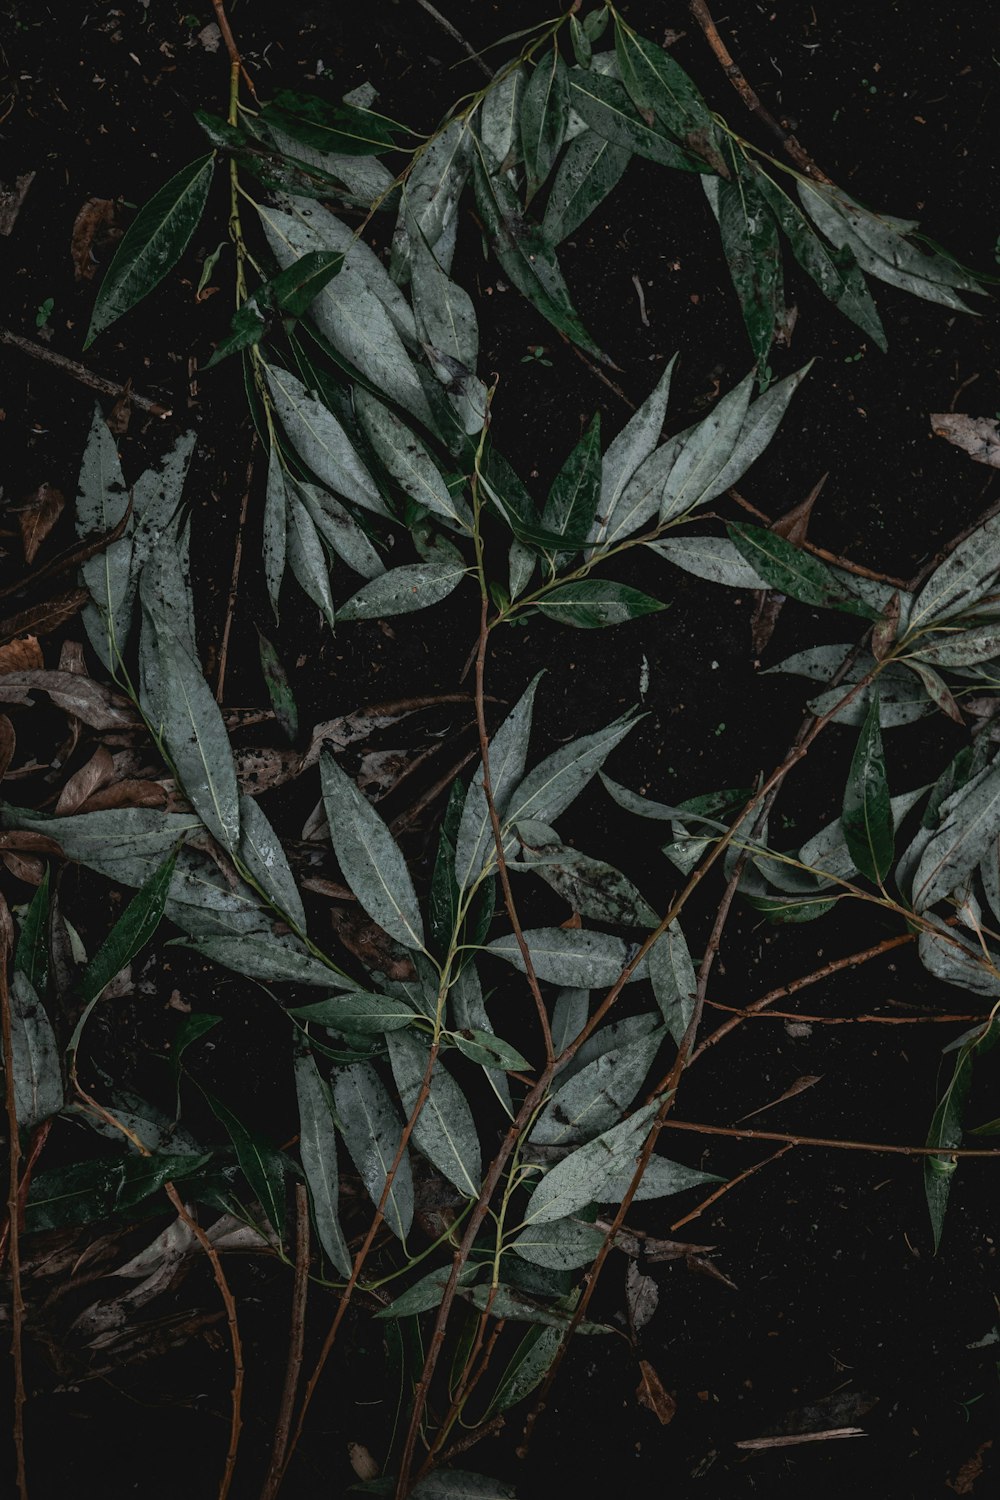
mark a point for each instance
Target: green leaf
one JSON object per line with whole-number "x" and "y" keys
{"x": 759, "y": 426}
{"x": 275, "y": 528}
{"x": 605, "y": 105}
{"x": 370, "y": 1126}
{"x": 340, "y": 531}
{"x": 125, "y": 844}
{"x": 655, "y": 82}
{"x": 568, "y": 956}
{"x": 489, "y": 1051}
{"x": 572, "y": 500}
{"x": 661, "y": 1179}
{"x": 408, "y": 462}
{"x": 318, "y": 1150}
{"x": 472, "y": 1030}
{"x": 957, "y": 646}
{"x": 153, "y": 245}
{"x": 562, "y": 1245}
{"x": 369, "y": 857}
{"x": 498, "y": 118}
{"x": 261, "y": 853}
{"x": 585, "y": 1175}
{"x": 959, "y": 583}
{"x": 446, "y": 325}
{"x": 969, "y": 822}
{"x": 713, "y": 558}
{"x": 527, "y": 258}
{"x": 445, "y": 1131}
{"x": 697, "y": 462}
{"x": 797, "y": 573}
{"x": 357, "y": 1011}
{"x": 592, "y": 603}
{"x": 262, "y": 1166}
{"x": 31, "y": 956}
{"x": 528, "y": 1368}
{"x": 279, "y": 689}
{"x": 674, "y": 982}
{"x": 750, "y": 242}
{"x": 592, "y": 887}
{"x": 837, "y": 274}
{"x": 38, "y": 1085}
{"x": 402, "y": 590}
{"x": 511, "y": 1302}
{"x": 91, "y": 1190}
{"x": 457, "y": 1484}
{"x": 427, "y": 1292}
{"x": 306, "y": 556}
{"x": 946, "y": 1128}
{"x": 544, "y": 112}
{"x": 596, "y": 1097}
{"x": 629, "y": 450}
{"x": 321, "y": 441}
{"x": 341, "y": 128}
{"x": 269, "y": 958}
{"x": 431, "y": 193}
{"x": 555, "y": 783}
{"x": 867, "y": 818}
{"x": 590, "y": 170}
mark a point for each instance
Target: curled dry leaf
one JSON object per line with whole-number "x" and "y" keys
{"x": 24, "y": 654}
{"x": 642, "y": 1296}
{"x": 8, "y": 744}
{"x": 979, "y": 437}
{"x": 26, "y": 867}
{"x": 129, "y": 792}
{"x": 44, "y": 618}
{"x": 90, "y": 701}
{"x": 97, "y": 772}
{"x": 362, "y": 1462}
{"x": 93, "y": 223}
{"x": 37, "y": 516}
{"x": 650, "y": 1392}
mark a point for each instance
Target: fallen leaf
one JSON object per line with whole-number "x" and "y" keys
{"x": 44, "y": 618}
{"x": 798, "y": 1087}
{"x": 98, "y": 770}
{"x": 793, "y": 527}
{"x": 8, "y": 744}
{"x": 979, "y": 437}
{"x": 71, "y": 658}
{"x": 366, "y": 940}
{"x": 362, "y": 1462}
{"x": 26, "y": 867}
{"x": 90, "y": 701}
{"x": 11, "y": 201}
{"x": 964, "y": 1481}
{"x": 127, "y": 793}
{"x": 802, "y": 1437}
{"x": 641, "y": 1295}
{"x": 651, "y": 1393}
{"x": 94, "y": 220}
{"x": 37, "y": 516}
{"x": 23, "y": 655}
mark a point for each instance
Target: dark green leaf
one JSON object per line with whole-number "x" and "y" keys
{"x": 750, "y": 242}
{"x": 153, "y": 245}
{"x": 444, "y": 887}
{"x": 544, "y": 112}
{"x": 370, "y": 1126}
{"x": 357, "y": 1011}
{"x": 867, "y": 818}
{"x": 605, "y": 105}
{"x": 588, "y": 172}
{"x": 38, "y": 1085}
{"x": 279, "y": 689}
{"x": 318, "y": 1150}
{"x": 796, "y": 573}
{"x": 340, "y": 128}
{"x": 655, "y": 82}
{"x": 31, "y": 956}
{"x": 262, "y": 1166}
{"x": 92, "y": 1190}
{"x": 572, "y": 500}
{"x": 946, "y": 1128}
{"x": 369, "y": 857}
{"x": 590, "y": 603}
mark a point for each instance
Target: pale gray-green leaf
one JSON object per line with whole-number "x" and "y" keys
{"x": 673, "y": 978}
{"x": 585, "y": 1176}
{"x": 369, "y": 857}
{"x": 562, "y": 1245}
{"x": 713, "y": 558}
{"x": 629, "y": 450}
{"x": 508, "y": 752}
{"x": 400, "y": 591}
{"x": 262, "y": 854}
{"x": 321, "y": 441}
{"x": 371, "y": 1129}
{"x": 569, "y": 956}
{"x": 38, "y": 1085}
{"x": 596, "y": 1097}
{"x": 444, "y": 1131}
{"x": 318, "y": 1150}
{"x": 306, "y": 556}
{"x": 406, "y": 459}
{"x": 559, "y": 779}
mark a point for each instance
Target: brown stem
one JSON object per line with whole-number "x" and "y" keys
{"x": 296, "y": 1341}
{"x": 81, "y": 373}
{"x": 235, "y": 60}
{"x": 467, "y": 1382}
{"x": 726, "y": 1187}
{"x": 13, "y": 1166}
{"x": 881, "y": 1148}
{"x": 831, "y": 557}
{"x": 736, "y": 77}
{"x": 38, "y": 1139}
{"x": 220, "y": 685}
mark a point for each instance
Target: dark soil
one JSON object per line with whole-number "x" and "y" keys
{"x": 838, "y": 1315}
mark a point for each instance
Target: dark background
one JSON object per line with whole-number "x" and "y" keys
{"x": 838, "y": 1304}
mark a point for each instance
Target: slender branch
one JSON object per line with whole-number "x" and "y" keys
{"x": 220, "y": 686}
{"x": 880, "y": 1148}
{"x": 235, "y": 60}
{"x": 726, "y": 1187}
{"x": 80, "y": 372}
{"x": 455, "y": 35}
{"x": 13, "y": 1167}
{"x": 296, "y": 1341}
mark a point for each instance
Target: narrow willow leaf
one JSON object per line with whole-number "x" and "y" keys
{"x": 946, "y": 1128}
{"x": 306, "y": 556}
{"x": 572, "y": 500}
{"x": 959, "y": 582}
{"x": 447, "y": 326}
{"x": 318, "y": 1150}
{"x": 369, "y": 857}
{"x": 275, "y": 536}
{"x": 262, "y": 1166}
{"x": 153, "y": 244}
{"x": 261, "y": 853}
{"x": 98, "y": 1189}
{"x": 38, "y": 1085}
{"x": 427, "y": 1292}
{"x": 656, "y": 82}
{"x": 879, "y": 247}
{"x": 542, "y": 121}
{"x": 101, "y": 504}
{"x": 272, "y": 959}
{"x": 558, "y": 780}
{"x": 508, "y": 753}
{"x": 590, "y": 170}
{"x": 959, "y": 647}
{"x": 629, "y": 450}
{"x": 357, "y": 1011}
{"x": 592, "y": 603}
{"x": 569, "y": 1016}
{"x": 562, "y": 1245}
{"x": 343, "y": 128}
{"x": 526, "y": 257}
{"x": 867, "y": 817}
{"x": 702, "y": 455}
{"x": 750, "y": 243}
{"x": 321, "y": 441}
{"x": 498, "y": 117}
{"x": 571, "y": 957}
{"x": 797, "y": 573}
{"x": 661, "y": 1179}
{"x": 125, "y": 844}
{"x": 408, "y": 462}
{"x": 371, "y": 1130}
{"x": 444, "y": 1131}
{"x": 341, "y": 532}
{"x": 674, "y": 982}
{"x": 713, "y": 558}
{"x": 431, "y": 193}
{"x": 836, "y": 273}
{"x": 585, "y": 1175}
{"x": 605, "y": 105}
{"x": 971, "y": 817}
{"x": 593, "y": 888}
{"x": 512, "y": 1303}
{"x": 31, "y": 956}
{"x": 402, "y": 590}
{"x": 489, "y": 1051}
{"x": 279, "y": 689}
{"x": 596, "y": 1097}
{"x": 530, "y": 1365}
{"x": 759, "y": 426}
{"x": 457, "y": 1484}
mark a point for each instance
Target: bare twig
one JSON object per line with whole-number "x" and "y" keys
{"x": 13, "y": 1165}
{"x": 726, "y": 1187}
{"x": 296, "y": 1341}
{"x": 235, "y": 60}
{"x": 455, "y": 35}
{"x": 220, "y": 685}
{"x": 80, "y": 372}
{"x": 880, "y": 1148}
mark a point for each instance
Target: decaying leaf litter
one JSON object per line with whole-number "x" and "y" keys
{"x": 234, "y": 895}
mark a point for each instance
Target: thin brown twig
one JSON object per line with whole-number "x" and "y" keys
{"x": 81, "y": 373}
{"x": 13, "y": 1166}
{"x": 882, "y": 1148}
{"x": 455, "y": 35}
{"x": 296, "y": 1343}
{"x": 736, "y": 77}
{"x": 794, "y": 1015}
{"x": 848, "y": 566}
{"x": 727, "y": 1187}
{"x": 235, "y": 60}
{"x": 470, "y": 1439}
{"x": 431, "y": 795}
{"x": 38, "y": 1139}
{"x": 234, "y": 581}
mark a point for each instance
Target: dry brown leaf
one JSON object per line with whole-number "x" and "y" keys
{"x": 127, "y": 793}
{"x": 37, "y": 516}
{"x": 366, "y": 940}
{"x": 22, "y": 839}
{"x": 8, "y": 744}
{"x": 964, "y": 1481}
{"x": 652, "y": 1394}
{"x": 26, "y": 867}
{"x": 97, "y": 772}
{"x": 808, "y": 1081}
{"x": 71, "y": 658}
{"x": 90, "y": 701}
{"x": 44, "y": 618}
{"x": 979, "y": 437}
{"x": 92, "y": 222}
{"x": 22, "y": 655}
{"x": 793, "y": 527}
{"x": 642, "y": 1296}
{"x": 11, "y": 200}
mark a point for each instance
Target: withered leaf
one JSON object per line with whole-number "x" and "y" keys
{"x": 366, "y": 940}
{"x": 127, "y": 793}
{"x": 44, "y": 618}
{"x": 37, "y": 516}
{"x": 21, "y": 655}
{"x": 650, "y": 1392}
{"x": 97, "y": 772}
{"x": 26, "y": 867}
{"x": 90, "y": 701}
{"x": 979, "y": 437}
{"x": 8, "y": 744}
{"x": 70, "y": 558}
{"x": 642, "y": 1296}
{"x": 92, "y": 223}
